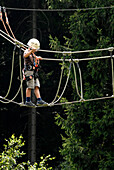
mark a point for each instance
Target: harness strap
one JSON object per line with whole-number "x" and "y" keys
{"x": 28, "y": 67}
{"x": 27, "y": 78}
{"x": 35, "y": 60}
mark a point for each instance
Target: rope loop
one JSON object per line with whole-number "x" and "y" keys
{"x": 110, "y": 48}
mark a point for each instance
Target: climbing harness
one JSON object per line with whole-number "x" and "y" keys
{"x": 31, "y": 67}
{"x": 25, "y": 77}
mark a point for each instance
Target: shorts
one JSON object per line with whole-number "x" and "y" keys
{"x": 33, "y": 82}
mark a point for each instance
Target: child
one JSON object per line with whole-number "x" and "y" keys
{"x": 31, "y": 72}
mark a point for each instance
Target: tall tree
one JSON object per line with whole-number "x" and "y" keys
{"x": 32, "y": 112}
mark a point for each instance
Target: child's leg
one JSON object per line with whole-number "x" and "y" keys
{"x": 37, "y": 92}
{"x": 28, "y": 92}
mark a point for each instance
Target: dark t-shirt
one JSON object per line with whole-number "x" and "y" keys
{"x": 28, "y": 60}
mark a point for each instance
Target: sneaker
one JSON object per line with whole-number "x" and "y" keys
{"x": 29, "y": 104}
{"x": 41, "y": 103}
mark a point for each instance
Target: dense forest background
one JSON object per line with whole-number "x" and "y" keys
{"x": 79, "y": 135}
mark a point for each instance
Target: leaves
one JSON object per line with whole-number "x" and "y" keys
{"x": 9, "y": 158}
{"x": 12, "y": 152}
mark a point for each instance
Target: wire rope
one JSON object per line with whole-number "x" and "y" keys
{"x": 53, "y": 59}
{"x": 11, "y": 76}
{"x": 59, "y": 52}
{"x": 13, "y": 41}
{"x": 60, "y": 10}
{"x": 7, "y": 38}
{"x": 76, "y": 52}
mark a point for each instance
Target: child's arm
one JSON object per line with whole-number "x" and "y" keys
{"x": 26, "y": 54}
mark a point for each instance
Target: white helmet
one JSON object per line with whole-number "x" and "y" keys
{"x": 34, "y": 43}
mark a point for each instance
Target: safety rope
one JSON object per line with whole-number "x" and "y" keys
{"x": 62, "y": 52}
{"x": 76, "y": 84}
{"x": 11, "y": 77}
{"x": 112, "y": 67}
{"x": 3, "y": 21}
{"x": 64, "y": 86}
{"x": 80, "y": 74}
{"x": 60, "y": 10}
{"x": 62, "y": 69}
{"x": 21, "y": 79}
{"x": 21, "y": 87}
{"x": 53, "y": 59}
{"x": 7, "y": 39}
{"x": 11, "y": 40}
{"x": 82, "y": 101}
{"x": 74, "y": 52}
{"x": 58, "y": 104}
{"x": 7, "y": 22}
{"x": 10, "y": 100}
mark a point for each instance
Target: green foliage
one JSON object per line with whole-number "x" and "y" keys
{"x": 9, "y": 158}
{"x": 61, "y": 4}
{"x": 89, "y": 140}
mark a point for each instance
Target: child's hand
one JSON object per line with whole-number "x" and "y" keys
{"x": 39, "y": 58}
{"x": 33, "y": 50}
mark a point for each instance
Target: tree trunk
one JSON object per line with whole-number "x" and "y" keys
{"x": 32, "y": 115}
